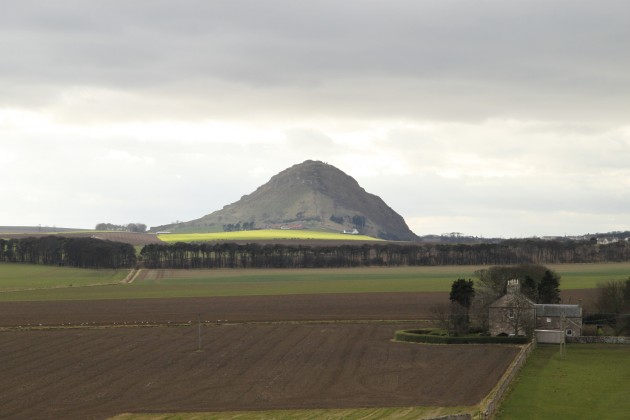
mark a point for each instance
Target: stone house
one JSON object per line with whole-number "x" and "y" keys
{"x": 515, "y": 313}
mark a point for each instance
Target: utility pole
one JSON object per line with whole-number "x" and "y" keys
{"x": 563, "y": 349}
{"x": 199, "y": 331}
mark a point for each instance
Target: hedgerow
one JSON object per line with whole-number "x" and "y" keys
{"x": 430, "y": 337}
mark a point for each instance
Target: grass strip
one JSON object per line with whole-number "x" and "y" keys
{"x": 404, "y": 413}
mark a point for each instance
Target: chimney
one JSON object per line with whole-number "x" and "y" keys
{"x": 513, "y": 286}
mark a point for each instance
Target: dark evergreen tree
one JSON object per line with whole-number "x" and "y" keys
{"x": 462, "y": 292}
{"x": 549, "y": 288}
{"x": 529, "y": 288}
{"x": 461, "y": 296}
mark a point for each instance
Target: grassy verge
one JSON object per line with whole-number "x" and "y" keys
{"x": 591, "y": 381}
{"x": 405, "y": 413}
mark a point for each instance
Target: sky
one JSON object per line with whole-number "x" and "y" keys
{"x": 488, "y": 118}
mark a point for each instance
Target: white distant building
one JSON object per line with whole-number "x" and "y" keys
{"x": 351, "y": 232}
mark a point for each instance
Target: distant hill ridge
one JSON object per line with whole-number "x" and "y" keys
{"x": 311, "y": 195}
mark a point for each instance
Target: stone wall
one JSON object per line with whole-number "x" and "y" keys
{"x": 599, "y": 339}
{"x": 490, "y": 404}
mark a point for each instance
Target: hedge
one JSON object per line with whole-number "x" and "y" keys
{"x": 425, "y": 336}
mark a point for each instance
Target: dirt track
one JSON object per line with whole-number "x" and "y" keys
{"x": 96, "y": 373}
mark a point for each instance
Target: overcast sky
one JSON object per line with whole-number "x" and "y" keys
{"x": 489, "y": 118}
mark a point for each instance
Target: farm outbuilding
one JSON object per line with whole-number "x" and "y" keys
{"x": 567, "y": 318}
{"x": 549, "y": 336}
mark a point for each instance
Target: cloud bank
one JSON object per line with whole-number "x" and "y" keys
{"x": 492, "y": 118}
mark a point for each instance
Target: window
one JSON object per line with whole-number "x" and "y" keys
{"x": 511, "y": 313}
{"x": 569, "y": 331}
{"x": 548, "y": 320}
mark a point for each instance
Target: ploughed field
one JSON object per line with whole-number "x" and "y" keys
{"x": 324, "y": 307}
{"x": 267, "y": 352}
{"x": 95, "y": 373}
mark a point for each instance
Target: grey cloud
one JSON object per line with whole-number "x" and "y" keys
{"x": 539, "y": 87}
{"x": 435, "y": 59}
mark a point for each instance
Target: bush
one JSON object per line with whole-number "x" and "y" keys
{"x": 429, "y": 336}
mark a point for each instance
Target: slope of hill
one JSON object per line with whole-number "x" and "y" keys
{"x": 311, "y": 195}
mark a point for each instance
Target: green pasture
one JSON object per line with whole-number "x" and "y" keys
{"x": 587, "y": 276}
{"x": 266, "y": 234}
{"x": 27, "y": 276}
{"x": 591, "y": 381}
{"x": 401, "y": 413}
{"x": 22, "y": 282}
{"x": 243, "y": 282}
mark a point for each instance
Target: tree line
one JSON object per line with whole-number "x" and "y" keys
{"x": 129, "y": 227}
{"x": 70, "y": 252}
{"x": 509, "y": 252}
{"x": 88, "y": 252}
{"x": 231, "y": 227}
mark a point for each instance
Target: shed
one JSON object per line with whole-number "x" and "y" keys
{"x": 549, "y": 336}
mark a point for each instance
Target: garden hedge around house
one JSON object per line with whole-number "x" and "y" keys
{"x": 431, "y": 337}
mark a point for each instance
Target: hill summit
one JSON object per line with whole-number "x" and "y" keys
{"x": 309, "y": 195}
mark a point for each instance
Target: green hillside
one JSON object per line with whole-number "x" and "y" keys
{"x": 311, "y": 195}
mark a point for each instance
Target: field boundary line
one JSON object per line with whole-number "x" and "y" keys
{"x": 489, "y": 404}
{"x": 30, "y": 289}
{"x": 172, "y": 324}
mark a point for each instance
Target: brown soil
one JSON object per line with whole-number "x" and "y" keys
{"x": 329, "y": 307}
{"x": 585, "y": 297}
{"x": 96, "y": 373}
{"x": 324, "y": 307}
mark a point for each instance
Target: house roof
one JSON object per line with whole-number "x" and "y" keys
{"x": 556, "y": 310}
{"x": 506, "y": 301}
{"x": 550, "y": 310}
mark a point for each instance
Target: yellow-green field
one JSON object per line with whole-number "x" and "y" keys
{"x": 261, "y": 235}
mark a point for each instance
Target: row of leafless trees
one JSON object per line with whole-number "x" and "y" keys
{"x": 613, "y": 306}
{"x": 71, "y": 252}
{"x": 509, "y": 252}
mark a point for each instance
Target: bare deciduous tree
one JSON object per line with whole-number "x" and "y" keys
{"x": 520, "y": 314}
